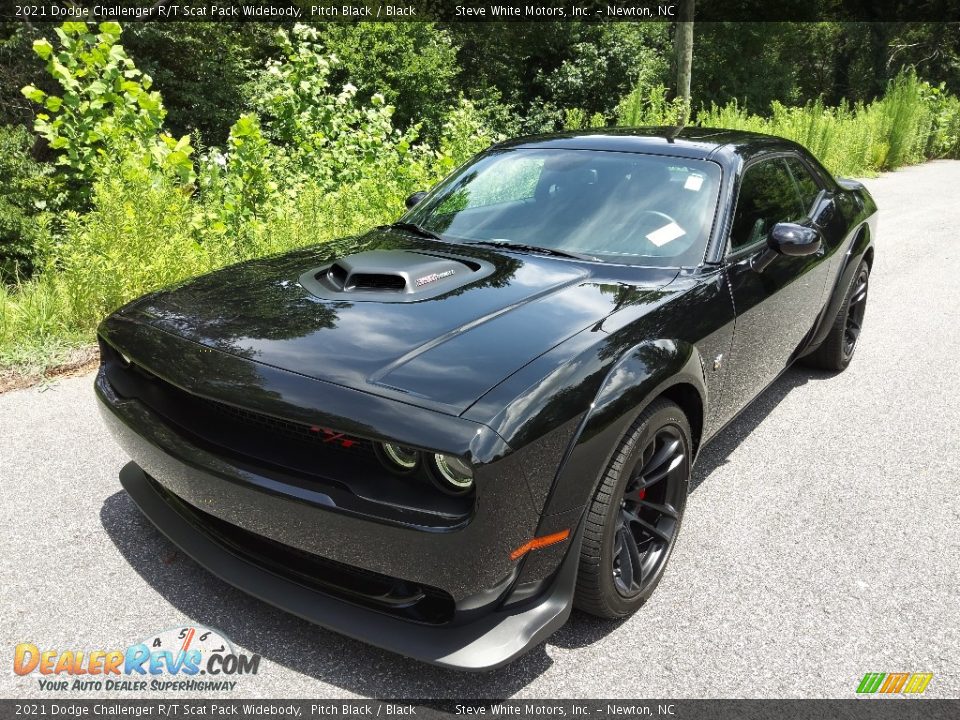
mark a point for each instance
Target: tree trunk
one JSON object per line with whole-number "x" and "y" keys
{"x": 684, "y": 48}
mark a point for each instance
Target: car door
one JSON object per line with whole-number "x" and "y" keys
{"x": 775, "y": 309}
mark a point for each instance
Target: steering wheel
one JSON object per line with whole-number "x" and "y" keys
{"x": 658, "y": 214}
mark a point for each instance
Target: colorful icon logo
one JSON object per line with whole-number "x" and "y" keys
{"x": 893, "y": 683}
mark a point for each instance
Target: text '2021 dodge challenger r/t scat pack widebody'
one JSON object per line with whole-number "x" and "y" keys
{"x": 442, "y": 435}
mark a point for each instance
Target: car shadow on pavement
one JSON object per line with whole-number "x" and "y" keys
{"x": 356, "y": 667}
{"x": 717, "y": 453}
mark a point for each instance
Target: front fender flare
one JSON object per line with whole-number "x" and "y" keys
{"x": 642, "y": 374}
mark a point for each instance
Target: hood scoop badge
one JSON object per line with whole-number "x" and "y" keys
{"x": 393, "y": 276}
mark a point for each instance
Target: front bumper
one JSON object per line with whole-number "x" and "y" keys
{"x": 490, "y": 641}
{"x": 493, "y": 618}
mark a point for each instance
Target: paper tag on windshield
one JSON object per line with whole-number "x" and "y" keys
{"x": 666, "y": 234}
{"x": 693, "y": 182}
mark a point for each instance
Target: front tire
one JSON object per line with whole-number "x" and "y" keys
{"x": 836, "y": 351}
{"x": 634, "y": 518}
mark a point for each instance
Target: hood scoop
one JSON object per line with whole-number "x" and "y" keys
{"x": 393, "y": 276}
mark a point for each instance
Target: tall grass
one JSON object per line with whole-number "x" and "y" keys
{"x": 146, "y": 230}
{"x": 143, "y": 234}
{"x": 912, "y": 122}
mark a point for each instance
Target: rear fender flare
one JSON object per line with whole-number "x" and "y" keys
{"x": 856, "y": 251}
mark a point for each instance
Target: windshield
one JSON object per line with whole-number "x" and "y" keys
{"x": 617, "y": 206}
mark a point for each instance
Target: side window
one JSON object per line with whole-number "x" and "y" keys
{"x": 768, "y": 195}
{"x": 806, "y": 185}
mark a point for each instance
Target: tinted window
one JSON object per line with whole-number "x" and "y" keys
{"x": 617, "y": 206}
{"x": 768, "y": 195}
{"x": 806, "y": 185}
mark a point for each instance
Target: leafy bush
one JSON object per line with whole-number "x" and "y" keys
{"x": 576, "y": 119}
{"x": 106, "y": 102}
{"x": 944, "y": 139}
{"x": 648, "y": 105}
{"x": 27, "y": 193}
{"x": 202, "y": 70}
{"x": 465, "y": 133}
{"x": 239, "y": 188}
{"x": 602, "y": 63}
{"x": 412, "y": 64}
{"x": 329, "y": 135}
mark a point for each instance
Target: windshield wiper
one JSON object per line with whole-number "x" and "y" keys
{"x": 418, "y": 229}
{"x": 523, "y": 247}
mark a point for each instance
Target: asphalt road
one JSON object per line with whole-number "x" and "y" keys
{"x": 821, "y": 541}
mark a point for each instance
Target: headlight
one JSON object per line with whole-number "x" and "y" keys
{"x": 451, "y": 474}
{"x": 398, "y": 458}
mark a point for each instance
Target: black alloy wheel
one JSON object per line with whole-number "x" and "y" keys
{"x": 856, "y": 309}
{"x": 634, "y": 518}
{"x": 836, "y": 350}
{"x": 650, "y": 512}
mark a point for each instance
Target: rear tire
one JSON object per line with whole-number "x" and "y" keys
{"x": 837, "y": 349}
{"x": 632, "y": 522}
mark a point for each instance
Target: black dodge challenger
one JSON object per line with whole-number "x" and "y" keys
{"x": 441, "y": 436}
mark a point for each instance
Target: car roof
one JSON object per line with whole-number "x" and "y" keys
{"x": 690, "y": 142}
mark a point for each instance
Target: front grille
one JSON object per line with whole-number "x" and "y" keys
{"x": 301, "y": 432}
{"x": 389, "y": 595}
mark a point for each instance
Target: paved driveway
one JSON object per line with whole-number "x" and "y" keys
{"x": 822, "y": 539}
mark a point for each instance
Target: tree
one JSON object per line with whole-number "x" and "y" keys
{"x": 684, "y": 43}
{"x": 538, "y": 70}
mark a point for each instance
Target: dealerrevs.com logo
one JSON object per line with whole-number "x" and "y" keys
{"x": 193, "y": 659}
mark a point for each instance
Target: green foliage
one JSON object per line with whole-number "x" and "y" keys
{"x": 535, "y": 71}
{"x": 144, "y": 233}
{"x": 105, "y": 103}
{"x": 909, "y": 124}
{"x": 202, "y": 70}
{"x": 239, "y": 188}
{"x": 577, "y": 119}
{"x": 311, "y": 148}
{"x": 602, "y": 63}
{"x": 944, "y": 139}
{"x": 465, "y": 133}
{"x": 27, "y": 194}
{"x": 18, "y": 67}
{"x": 321, "y": 166}
{"x": 649, "y": 105}
{"x": 413, "y": 65}
{"x": 331, "y": 137}
{"x": 913, "y": 121}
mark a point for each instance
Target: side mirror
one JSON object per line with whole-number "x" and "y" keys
{"x": 793, "y": 240}
{"x": 416, "y": 198}
{"x": 787, "y": 239}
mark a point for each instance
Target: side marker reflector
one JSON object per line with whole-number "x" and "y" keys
{"x": 540, "y": 542}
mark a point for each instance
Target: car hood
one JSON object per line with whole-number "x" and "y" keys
{"x": 442, "y": 345}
